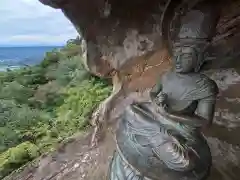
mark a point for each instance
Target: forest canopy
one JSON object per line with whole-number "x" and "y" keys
{"x": 42, "y": 105}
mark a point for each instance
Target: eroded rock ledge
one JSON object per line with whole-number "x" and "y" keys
{"x": 119, "y": 31}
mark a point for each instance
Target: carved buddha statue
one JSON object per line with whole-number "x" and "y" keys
{"x": 162, "y": 139}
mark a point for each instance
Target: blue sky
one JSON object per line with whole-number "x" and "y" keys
{"x": 28, "y": 22}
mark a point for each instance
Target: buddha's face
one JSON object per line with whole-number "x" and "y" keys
{"x": 185, "y": 59}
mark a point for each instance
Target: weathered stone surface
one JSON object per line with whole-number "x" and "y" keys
{"x": 115, "y": 31}
{"x": 118, "y": 31}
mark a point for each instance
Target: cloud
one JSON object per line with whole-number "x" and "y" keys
{"x": 28, "y": 22}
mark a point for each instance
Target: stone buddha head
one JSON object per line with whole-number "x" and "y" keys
{"x": 196, "y": 30}
{"x": 187, "y": 58}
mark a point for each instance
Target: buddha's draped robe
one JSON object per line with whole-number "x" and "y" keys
{"x": 150, "y": 146}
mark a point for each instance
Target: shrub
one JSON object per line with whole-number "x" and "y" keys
{"x": 68, "y": 70}
{"x": 47, "y": 96}
{"x": 14, "y": 90}
{"x": 15, "y": 157}
{"x": 8, "y": 138}
{"x": 51, "y": 58}
{"x": 80, "y": 102}
{"x": 16, "y": 121}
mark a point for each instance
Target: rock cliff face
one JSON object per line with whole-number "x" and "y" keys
{"x": 115, "y": 31}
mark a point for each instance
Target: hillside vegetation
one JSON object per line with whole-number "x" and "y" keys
{"x": 42, "y": 105}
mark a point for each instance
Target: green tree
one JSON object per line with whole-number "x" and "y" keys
{"x": 80, "y": 102}
{"x": 15, "y": 91}
{"x": 17, "y": 156}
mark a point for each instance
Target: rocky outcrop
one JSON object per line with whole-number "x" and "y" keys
{"x": 115, "y": 31}
{"x": 118, "y": 31}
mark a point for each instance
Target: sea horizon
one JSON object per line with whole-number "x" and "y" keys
{"x": 14, "y": 57}
{"x": 19, "y": 46}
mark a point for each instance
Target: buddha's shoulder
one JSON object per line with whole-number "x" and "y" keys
{"x": 192, "y": 80}
{"x": 191, "y": 77}
{"x": 211, "y": 85}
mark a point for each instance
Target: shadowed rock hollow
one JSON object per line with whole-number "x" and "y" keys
{"x": 118, "y": 31}
{"x": 124, "y": 41}
{"x": 115, "y": 31}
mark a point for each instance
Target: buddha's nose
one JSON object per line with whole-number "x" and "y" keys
{"x": 178, "y": 60}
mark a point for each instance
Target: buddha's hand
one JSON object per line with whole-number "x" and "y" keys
{"x": 161, "y": 98}
{"x": 160, "y": 102}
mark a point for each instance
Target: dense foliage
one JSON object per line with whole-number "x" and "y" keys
{"x": 42, "y": 105}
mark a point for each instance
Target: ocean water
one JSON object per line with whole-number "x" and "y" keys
{"x": 15, "y": 57}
